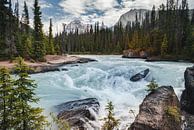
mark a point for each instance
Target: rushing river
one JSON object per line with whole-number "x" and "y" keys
{"x": 108, "y": 80}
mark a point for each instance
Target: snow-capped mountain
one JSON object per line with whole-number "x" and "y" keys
{"x": 130, "y": 16}
{"x": 76, "y": 24}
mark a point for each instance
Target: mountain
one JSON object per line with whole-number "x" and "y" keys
{"x": 76, "y": 24}
{"x": 130, "y": 16}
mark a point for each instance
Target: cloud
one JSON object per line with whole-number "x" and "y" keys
{"x": 89, "y": 11}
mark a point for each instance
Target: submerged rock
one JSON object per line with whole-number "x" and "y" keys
{"x": 140, "y": 75}
{"x": 153, "y": 113}
{"x": 79, "y": 113}
{"x": 187, "y": 97}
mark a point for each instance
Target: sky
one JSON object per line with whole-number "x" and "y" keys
{"x": 88, "y": 11}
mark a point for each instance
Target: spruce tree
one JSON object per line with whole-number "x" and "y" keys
{"x": 110, "y": 122}
{"x": 25, "y": 39}
{"x": 50, "y": 43}
{"x": 26, "y": 116}
{"x": 164, "y": 46}
{"x": 192, "y": 19}
{"x": 153, "y": 17}
{"x": 6, "y": 97}
{"x": 25, "y": 18}
{"x": 38, "y": 45}
{"x": 3, "y": 25}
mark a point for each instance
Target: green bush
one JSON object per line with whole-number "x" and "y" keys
{"x": 110, "y": 121}
{"x": 152, "y": 86}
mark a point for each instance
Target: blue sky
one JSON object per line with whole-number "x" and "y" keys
{"x": 89, "y": 11}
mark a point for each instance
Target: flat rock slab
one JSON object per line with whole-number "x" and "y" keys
{"x": 53, "y": 62}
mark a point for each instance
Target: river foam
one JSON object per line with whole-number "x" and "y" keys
{"x": 108, "y": 80}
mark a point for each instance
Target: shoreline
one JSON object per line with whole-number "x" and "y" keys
{"x": 53, "y": 62}
{"x": 160, "y": 59}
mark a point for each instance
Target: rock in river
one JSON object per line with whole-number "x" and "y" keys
{"x": 160, "y": 110}
{"x": 135, "y": 54}
{"x": 187, "y": 98}
{"x": 140, "y": 75}
{"x": 79, "y": 113}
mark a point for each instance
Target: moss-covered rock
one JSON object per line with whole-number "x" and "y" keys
{"x": 160, "y": 110}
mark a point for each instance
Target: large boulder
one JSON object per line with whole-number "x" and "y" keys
{"x": 187, "y": 97}
{"x": 79, "y": 113}
{"x": 158, "y": 110}
{"x": 140, "y": 75}
{"x": 135, "y": 54}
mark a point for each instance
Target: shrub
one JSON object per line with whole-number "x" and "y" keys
{"x": 110, "y": 121}
{"x": 152, "y": 86}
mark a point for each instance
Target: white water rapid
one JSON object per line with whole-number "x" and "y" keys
{"x": 108, "y": 80}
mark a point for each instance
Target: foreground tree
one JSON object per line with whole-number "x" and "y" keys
{"x": 6, "y": 97}
{"x": 27, "y": 117}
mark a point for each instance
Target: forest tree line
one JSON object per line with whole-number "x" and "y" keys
{"x": 168, "y": 30}
{"x": 17, "y": 38}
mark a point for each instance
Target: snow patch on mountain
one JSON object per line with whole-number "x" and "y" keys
{"x": 76, "y": 25}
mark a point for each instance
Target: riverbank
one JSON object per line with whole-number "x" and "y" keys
{"x": 160, "y": 58}
{"x": 131, "y": 54}
{"x": 53, "y": 62}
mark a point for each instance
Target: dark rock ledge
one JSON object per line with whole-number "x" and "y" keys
{"x": 79, "y": 113}
{"x": 140, "y": 75}
{"x": 187, "y": 98}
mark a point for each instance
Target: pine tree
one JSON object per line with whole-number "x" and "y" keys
{"x": 27, "y": 117}
{"x": 153, "y": 17}
{"x": 164, "y": 46}
{"x": 192, "y": 19}
{"x": 25, "y": 18}
{"x": 38, "y": 45}
{"x": 110, "y": 121}
{"x": 50, "y": 43}
{"x": 6, "y": 92}
{"x": 24, "y": 42}
{"x": 152, "y": 86}
{"x": 3, "y": 25}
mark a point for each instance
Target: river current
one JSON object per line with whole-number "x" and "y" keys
{"x": 107, "y": 80}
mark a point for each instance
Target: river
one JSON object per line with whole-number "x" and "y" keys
{"x": 107, "y": 80}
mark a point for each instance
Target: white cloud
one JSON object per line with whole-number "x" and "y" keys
{"x": 89, "y": 11}
{"x": 110, "y": 14}
{"x": 75, "y": 7}
{"x": 78, "y": 7}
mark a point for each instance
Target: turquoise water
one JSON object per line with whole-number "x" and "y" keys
{"x": 107, "y": 80}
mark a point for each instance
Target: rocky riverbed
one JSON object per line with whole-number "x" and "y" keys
{"x": 53, "y": 62}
